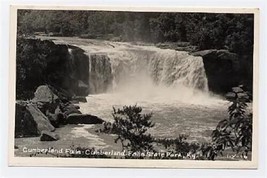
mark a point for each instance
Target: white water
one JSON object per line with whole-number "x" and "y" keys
{"x": 171, "y": 84}
{"x": 148, "y": 74}
{"x": 132, "y": 66}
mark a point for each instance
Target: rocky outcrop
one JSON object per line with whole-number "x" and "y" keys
{"x": 83, "y": 119}
{"x": 77, "y": 72}
{"x": 69, "y": 108}
{"x": 48, "y": 136}
{"x": 62, "y": 66}
{"x": 25, "y": 125}
{"x": 57, "y": 118}
{"x": 44, "y": 94}
{"x": 46, "y": 99}
{"x": 222, "y": 69}
{"x": 41, "y": 120}
{"x": 47, "y": 111}
{"x": 30, "y": 121}
{"x": 178, "y": 46}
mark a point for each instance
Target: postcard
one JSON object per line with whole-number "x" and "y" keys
{"x": 134, "y": 87}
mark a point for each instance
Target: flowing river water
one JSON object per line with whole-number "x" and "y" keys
{"x": 170, "y": 84}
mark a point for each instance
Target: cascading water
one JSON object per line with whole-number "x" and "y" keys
{"x": 129, "y": 66}
{"x": 100, "y": 76}
{"x": 163, "y": 67}
{"x": 170, "y": 84}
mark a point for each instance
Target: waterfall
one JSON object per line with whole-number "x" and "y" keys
{"x": 122, "y": 66}
{"x": 179, "y": 69}
{"x": 71, "y": 59}
{"x": 163, "y": 67}
{"x": 172, "y": 84}
{"x": 100, "y": 77}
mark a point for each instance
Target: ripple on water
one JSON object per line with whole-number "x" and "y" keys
{"x": 171, "y": 117}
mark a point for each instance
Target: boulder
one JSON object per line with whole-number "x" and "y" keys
{"x": 56, "y": 118}
{"x": 78, "y": 99}
{"x": 24, "y": 122}
{"x": 46, "y": 99}
{"x": 44, "y": 94}
{"x": 222, "y": 69}
{"x": 48, "y": 136}
{"x": 30, "y": 121}
{"x": 64, "y": 95}
{"x": 83, "y": 119}
{"x": 70, "y": 108}
{"x": 43, "y": 123}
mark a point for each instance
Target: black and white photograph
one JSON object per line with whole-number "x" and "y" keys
{"x": 134, "y": 88}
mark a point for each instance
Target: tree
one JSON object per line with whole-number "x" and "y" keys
{"x": 131, "y": 127}
{"x": 236, "y": 131}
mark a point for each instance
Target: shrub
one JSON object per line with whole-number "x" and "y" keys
{"x": 235, "y": 132}
{"x": 131, "y": 127}
{"x": 180, "y": 146}
{"x": 187, "y": 150}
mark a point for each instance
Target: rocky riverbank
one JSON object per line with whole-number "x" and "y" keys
{"x": 46, "y": 112}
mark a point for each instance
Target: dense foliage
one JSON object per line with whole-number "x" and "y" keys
{"x": 221, "y": 31}
{"x": 131, "y": 127}
{"x": 235, "y": 132}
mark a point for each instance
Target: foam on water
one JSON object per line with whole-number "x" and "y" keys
{"x": 171, "y": 84}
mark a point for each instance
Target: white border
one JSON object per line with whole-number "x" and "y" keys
{"x": 124, "y": 172}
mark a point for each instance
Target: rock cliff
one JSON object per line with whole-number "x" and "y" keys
{"x": 224, "y": 70}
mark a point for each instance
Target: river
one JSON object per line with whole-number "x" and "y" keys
{"x": 170, "y": 84}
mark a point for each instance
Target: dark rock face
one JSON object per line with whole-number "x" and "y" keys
{"x": 83, "y": 119}
{"x": 64, "y": 67}
{"x": 82, "y": 88}
{"x": 61, "y": 66}
{"x": 77, "y": 72}
{"x": 24, "y": 122}
{"x": 49, "y": 136}
{"x": 30, "y": 121}
{"x": 222, "y": 69}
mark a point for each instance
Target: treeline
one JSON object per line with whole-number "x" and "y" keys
{"x": 205, "y": 30}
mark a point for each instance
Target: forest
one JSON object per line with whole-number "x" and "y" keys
{"x": 233, "y": 32}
